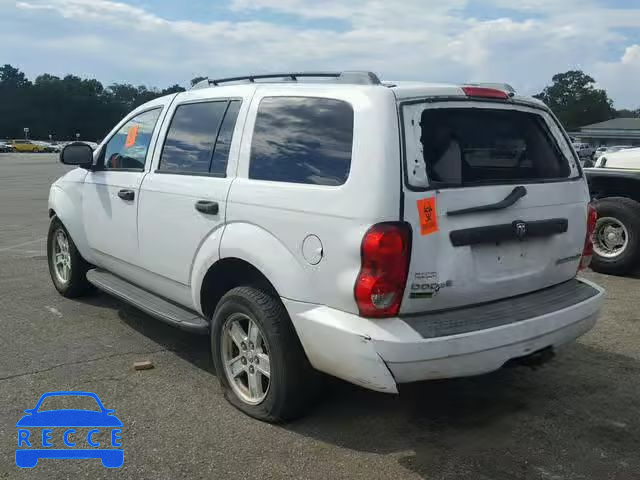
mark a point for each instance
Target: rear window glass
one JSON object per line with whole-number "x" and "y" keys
{"x": 466, "y": 146}
{"x": 302, "y": 140}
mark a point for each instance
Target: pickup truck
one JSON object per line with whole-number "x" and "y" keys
{"x": 614, "y": 183}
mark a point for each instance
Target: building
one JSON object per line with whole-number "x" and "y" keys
{"x": 618, "y": 131}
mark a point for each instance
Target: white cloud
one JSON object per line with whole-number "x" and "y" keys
{"x": 454, "y": 41}
{"x": 622, "y": 78}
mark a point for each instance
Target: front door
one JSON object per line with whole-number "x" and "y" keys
{"x": 110, "y": 201}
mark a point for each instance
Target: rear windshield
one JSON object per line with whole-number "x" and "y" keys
{"x": 466, "y": 146}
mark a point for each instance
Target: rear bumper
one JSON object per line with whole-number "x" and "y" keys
{"x": 379, "y": 354}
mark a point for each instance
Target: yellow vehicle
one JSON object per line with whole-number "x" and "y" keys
{"x": 26, "y": 146}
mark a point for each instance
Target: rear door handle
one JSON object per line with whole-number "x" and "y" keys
{"x": 126, "y": 194}
{"x": 207, "y": 206}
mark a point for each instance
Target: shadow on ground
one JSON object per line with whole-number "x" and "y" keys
{"x": 191, "y": 347}
{"x": 504, "y": 425}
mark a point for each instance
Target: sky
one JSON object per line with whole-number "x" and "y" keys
{"x": 163, "y": 42}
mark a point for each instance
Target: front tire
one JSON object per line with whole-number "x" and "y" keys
{"x": 616, "y": 240}
{"x": 66, "y": 266}
{"x": 258, "y": 357}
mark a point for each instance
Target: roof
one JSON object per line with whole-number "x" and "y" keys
{"x": 615, "y": 124}
{"x": 355, "y": 80}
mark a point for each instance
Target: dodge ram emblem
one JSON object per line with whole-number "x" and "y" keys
{"x": 521, "y": 230}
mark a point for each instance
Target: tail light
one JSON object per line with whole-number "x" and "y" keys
{"x": 485, "y": 92}
{"x": 587, "y": 252}
{"x": 385, "y": 252}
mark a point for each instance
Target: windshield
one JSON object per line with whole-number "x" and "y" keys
{"x": 464, "y": 146}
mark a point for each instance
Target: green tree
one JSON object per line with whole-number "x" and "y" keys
{"x": 197, "y": 79}
{"x": 576, "y": 101}
{"x": 172, "y": 89}
{"x": 62, "y": 107}
{"x": 11, "y": 77}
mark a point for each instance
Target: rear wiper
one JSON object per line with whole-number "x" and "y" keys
{"x": 515, "y": 195}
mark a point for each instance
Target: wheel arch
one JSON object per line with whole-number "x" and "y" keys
{"x": 606, "y": 186}
{"x": 256, "y": 254}
{"x": 66, "y": 207}
{"x": 226, "y": 274}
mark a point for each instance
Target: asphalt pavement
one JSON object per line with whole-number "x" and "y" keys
{"x": 577, "y": 417}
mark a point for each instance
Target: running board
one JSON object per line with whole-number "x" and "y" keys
{"x": 148, "y": 302}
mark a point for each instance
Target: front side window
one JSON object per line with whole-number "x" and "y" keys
{"x": 302, "y": 140}
{"x": 199, "y": 138}
{"x": 128, "y": 148}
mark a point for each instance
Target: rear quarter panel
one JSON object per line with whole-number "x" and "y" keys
{"x": 269, "y": 221}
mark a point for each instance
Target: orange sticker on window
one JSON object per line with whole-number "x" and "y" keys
{"x": 132, "y": 134}
{"x": 428, "y": 215}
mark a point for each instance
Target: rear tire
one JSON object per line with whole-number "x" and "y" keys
{"x": 291, "y": 378}
{"x": 70, "y": 281}
{"x": 625, "y": 212}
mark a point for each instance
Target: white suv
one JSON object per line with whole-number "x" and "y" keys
{"x": 382, "y": 233}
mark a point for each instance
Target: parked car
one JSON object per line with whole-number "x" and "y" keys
{"x": 610, "y": 149}
{"x": 44, "y": 146}
{"x": 26, "y": 146}
{"x": 615, "y": 187}
{"x": 600, "y": 151}
{"x": 287, "y": 222}
{"x": 584, "y": 151}
{"x": 5, "y": 147}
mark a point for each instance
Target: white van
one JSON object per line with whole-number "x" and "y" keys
{"x": 379, "y": 232}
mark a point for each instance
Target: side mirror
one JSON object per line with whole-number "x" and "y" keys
{"x": 77, "y": 153}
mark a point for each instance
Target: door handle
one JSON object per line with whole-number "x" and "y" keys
{"x": 207, "y": 206}
{"x": 126, "y": 194}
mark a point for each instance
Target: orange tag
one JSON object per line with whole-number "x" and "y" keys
{"x": 132, "y": 134}
{"x": 428, "y": 216}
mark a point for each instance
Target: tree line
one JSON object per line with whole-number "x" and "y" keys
{"x": 62, "y": 107}
{"x": 576, "y": 101}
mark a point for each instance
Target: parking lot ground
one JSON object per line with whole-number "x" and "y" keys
{"x": 577, "y": 417}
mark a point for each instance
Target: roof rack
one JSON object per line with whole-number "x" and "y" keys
{"x": 349, "y": 76}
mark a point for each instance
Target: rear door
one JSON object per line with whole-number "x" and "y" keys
{"x": 496, "y": 201}
{"x": 183, "y": 199}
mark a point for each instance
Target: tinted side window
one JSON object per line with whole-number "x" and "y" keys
{"x": 223, "y": 143}
{"x": 302, "y": 140}
{"x": 128, "y": 147}
{"x": 188, "y": 147}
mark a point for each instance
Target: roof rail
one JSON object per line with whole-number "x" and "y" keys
{"x": 348, "y": 76}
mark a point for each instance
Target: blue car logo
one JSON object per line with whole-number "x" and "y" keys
{"x": 41, "y": 430}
